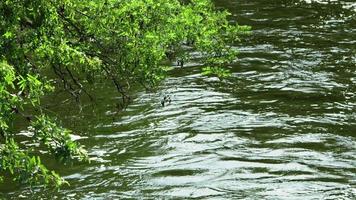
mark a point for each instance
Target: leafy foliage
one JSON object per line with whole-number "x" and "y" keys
{"x": 78, "y": 42}
{"x": 216, "y": 71}
{"x": 24, "y": 168}
{"x": 57, "y": 139}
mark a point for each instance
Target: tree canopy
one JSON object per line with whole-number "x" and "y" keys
{"x": 75, "y": 43}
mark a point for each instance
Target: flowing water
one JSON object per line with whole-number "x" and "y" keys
{"x": 283, "y": 127}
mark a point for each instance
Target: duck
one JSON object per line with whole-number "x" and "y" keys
{"x": 180, "y": 62}
{"x": 166, "y": 100}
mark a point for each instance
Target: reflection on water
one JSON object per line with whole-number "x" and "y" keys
{"x": 282, "y": 128}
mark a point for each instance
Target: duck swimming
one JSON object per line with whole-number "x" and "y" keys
{"x": 166, "y": 100}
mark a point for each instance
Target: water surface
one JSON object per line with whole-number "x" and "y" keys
{"x": 283, "y": 127}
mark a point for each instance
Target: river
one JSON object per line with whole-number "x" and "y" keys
{"x": 283, "y": 127}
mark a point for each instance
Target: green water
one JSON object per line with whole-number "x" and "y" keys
{"x": 284, "y": 127}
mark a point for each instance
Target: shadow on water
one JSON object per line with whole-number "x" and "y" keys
{"x": 282, "y": 128}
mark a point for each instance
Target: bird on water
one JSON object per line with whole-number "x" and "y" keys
{"x": 166, "y": 100}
